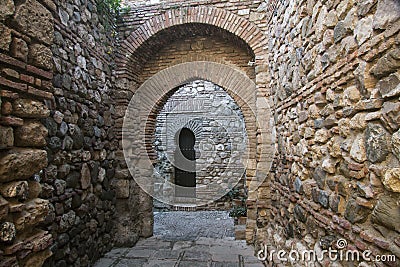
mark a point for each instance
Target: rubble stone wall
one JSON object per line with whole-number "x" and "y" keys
{"x": 80, "y": 143}
{"x": 334, "y": 81}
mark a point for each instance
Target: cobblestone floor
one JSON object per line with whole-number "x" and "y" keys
{"x": 186, "y": 239}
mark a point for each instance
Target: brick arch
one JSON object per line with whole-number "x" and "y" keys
{"x": 220, "y": 18}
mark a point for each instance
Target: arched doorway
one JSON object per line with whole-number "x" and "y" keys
{"x": 185, "y": 164}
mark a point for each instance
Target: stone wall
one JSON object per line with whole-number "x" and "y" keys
{"x": 26, "y": 30}
{"x": 334, "y": 81}
{"x": 57, "y": 138}
{"x": 218, "y": 125}
{"x": 81, "y": 144}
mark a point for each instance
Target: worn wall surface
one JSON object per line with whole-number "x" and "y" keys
{"x": 26, "y": 30}
{"x": 80, "y": 143}
{"x": 333, "y": 76}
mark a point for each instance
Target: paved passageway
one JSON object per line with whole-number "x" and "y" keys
{"x": 189, "y": 239}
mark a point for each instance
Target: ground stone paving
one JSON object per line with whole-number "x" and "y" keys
{"x": 192, "y": 239}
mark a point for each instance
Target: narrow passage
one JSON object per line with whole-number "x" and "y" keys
{"x": 186, "y": 239}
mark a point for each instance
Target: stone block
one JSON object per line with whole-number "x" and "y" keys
{"x": 376, "y": 142}
{"x": 388, "y": 63}
{"x": 5, "y": 39}
{"x": 40, "y": 56}
{"x": 387, "y": 12}
{"x": 358, "y": 150}
{"x": 354, "y": 212}
{"x": 386, "y": 212}
{"x": 85, "y": 176}
{"x": 17, "y": 189}
{"x": 363, "y": 30}
{"x": 28, "y": 108}
{"x": 35, "y": 212}
{"x": 392, "y": 180}
{"x": 7, "y": 9}
{"x": 33, "y": 19}
{"x": 7, "y": 232}
{"x": 19, "y": 49}
{"x": 31, "y": 134}
{"x": 6, "y": 137}
{"x": 18, "y": 164}
{"x": 389, "y": 86}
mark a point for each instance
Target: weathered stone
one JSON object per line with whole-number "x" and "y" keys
{"x": 355, "y": 213}
{"x": 320, "y": 176}
{"x": 329, "y": 165}
{"x": 391, "y": 115}
{"x": 388, "y": 63}
{"x": 40, "y": 56}
{"x": 351, "y": 93}
{"x": 339, "y": 32}
{"x": 363, "y": 30}
{"x": 6, "y": 137}
{"x": 7, "y": 232}
{"x": 5, "y": 39}
{"x": 35, "y": 20}
{"x": 28, "y": 108}
{"x": 6, "y": 9}
{"x": 64, "y": 16}
{"x": 387, "y": 212}
{"x": 387, "y": 12}
{"x": 321, "y": 136}
{"x": 298, "y": 185}
{"x": 18, "y": 164}
{"x": 323, "y": 199}
{"x": 358, "y": 150}
{"x": 365, "y": 190}
{"x": 389, "y": 86}
{"x": 31, "y": 134}
{"x": 392, "y": 180}
{"x": 60, "y": 186}
{"x": 122, "y": 188}
{"x": 76, "y": 135}
{"x": 73, "y": 179}
{"x": 85, "y": 176}
{"x": 19, "y": 49}
{"x": 396, "y": 144}
{"x": 35, "y": 189}
{"x": 331, "y": 19}
{"x": 300, "y": 213}
{"x": 376, "y": 141}
{"x": 358, "y": 122}
{"x": 18, "y": 189}
{"x": 36, "y": 211}
{"x": 67, "y": 221}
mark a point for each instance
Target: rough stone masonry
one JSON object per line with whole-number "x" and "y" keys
{"x": 328, "y": 70}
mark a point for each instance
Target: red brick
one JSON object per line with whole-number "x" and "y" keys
{"x": 12, "y": 61}
{"x": 39, "y": 93}
{"x": 27, "y": 78}
{"x": 14, "y": 85}
{"x": 40, "y": 72}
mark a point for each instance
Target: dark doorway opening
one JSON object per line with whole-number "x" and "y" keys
{"x": 185, "y": 164}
